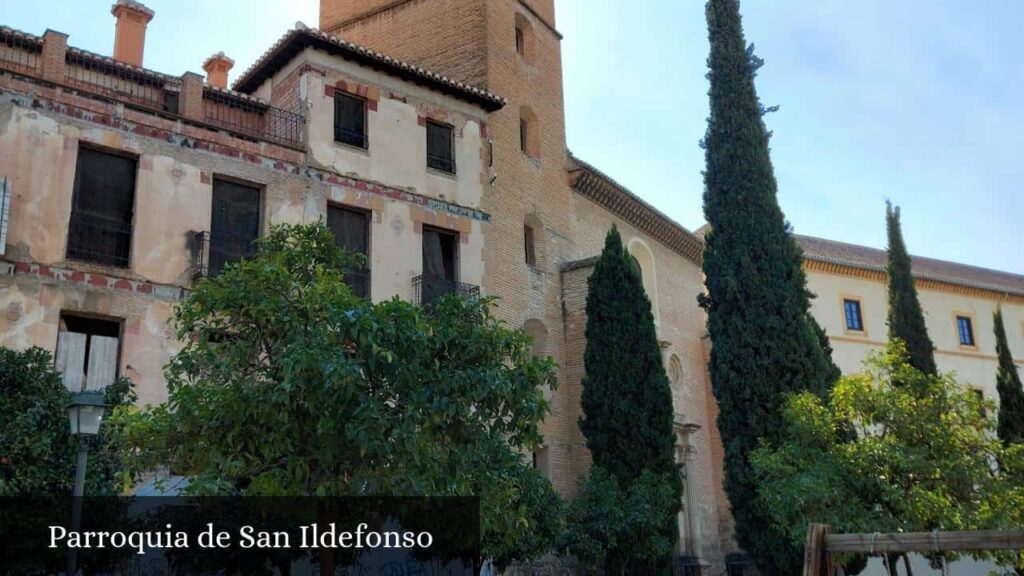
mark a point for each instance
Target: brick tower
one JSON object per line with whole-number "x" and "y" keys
{"x": 512, "y": 48}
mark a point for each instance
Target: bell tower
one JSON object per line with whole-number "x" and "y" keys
{"x": 511, "y": 48}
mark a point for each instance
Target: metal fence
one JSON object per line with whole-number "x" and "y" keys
{"x": 252, "y": 119}
{"x": 427, "y": 289}
{"x": 19, "y": 52}
{"x": 94, "y": 237}
{"x": 134, "y": 86}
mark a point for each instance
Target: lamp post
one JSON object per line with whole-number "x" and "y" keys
{"x": 85, "y": 414}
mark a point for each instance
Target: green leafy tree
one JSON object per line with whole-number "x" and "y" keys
{"x": 627, "y": 399}
{"x": 1011, "y": 394}
{"x": 37, "y": 451}
{"x": 289, "y": 384}
{"x": 620, "y": 525}
{"x": 906, "y": 319}
{"x": 922, "y": 459}
{"x": 765, "y": 344}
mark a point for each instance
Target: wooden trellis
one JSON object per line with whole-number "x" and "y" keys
{"x": 822, "y": 544}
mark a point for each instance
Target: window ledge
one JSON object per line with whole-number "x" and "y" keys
{"x": 95, "y": 268}
{"x": 858, "y": 333}
{"x": 453, "y": 176}
{"x": 352, "y": 148}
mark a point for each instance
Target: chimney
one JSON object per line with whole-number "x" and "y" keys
{"x": 216, "y": 68}
{"x": 130, "y": 31}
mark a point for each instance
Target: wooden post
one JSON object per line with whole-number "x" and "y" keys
{"x": 815, "y": 561}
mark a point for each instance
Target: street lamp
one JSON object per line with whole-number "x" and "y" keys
{"x": 85, "y": 414}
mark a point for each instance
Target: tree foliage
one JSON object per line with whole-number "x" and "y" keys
{"x": 923, "y": 459}
{"x": 765, "y": 344}
{"x": 37, "y": 451}
{"x": 627, "y": 399}
{"x": 1008, "y": 384}
{"x": 289, "y": 384}
{"x": 906, "y": 319}
{"x": 620, "y": 525}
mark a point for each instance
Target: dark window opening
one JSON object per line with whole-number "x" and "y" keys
{"x": 87, "y": 351}
{"x": 439, "y": 264}
{"x": 981, "y": 403}
{"x": 350, "y": 120}
{"x": 854, "y": 318}
{"x": 966, "y": 330}
{"x": 528, "y": 245}
{"x": 351, "y": 229}
{"x": 520, "y": 41}
{"x": 235, "y": 225}
{"x": 440, "y": 147}
{"x": 524, "y": 128}
{"x": 100, "y": 229}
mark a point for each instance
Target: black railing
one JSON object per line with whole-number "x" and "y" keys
{"x": 426, "y": 289}
{"x": 358, "y": 279}
{"x": 687, "y": 566}
{"x": 19, "y": 52}
{"x": 740, "y": 565}
{"x": 98, "y": 238}
{"x": 226, "y": 248}
{"x": 351, "y": 137}
{"x": 199, "y": 246}
{"x": 441, "y": 163}
{"x": 118, "y": 81}
{"x": 252, "y": 119}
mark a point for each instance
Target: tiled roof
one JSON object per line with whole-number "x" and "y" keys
{"x": 617, "y": 199}
{"x": 873, "y": 259}
{"x": 866, "y": 258}
{"x": 301, "y": 36}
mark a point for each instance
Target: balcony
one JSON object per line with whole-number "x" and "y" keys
{"x": 427, "y": 289}
{"x": 94, "y": 237}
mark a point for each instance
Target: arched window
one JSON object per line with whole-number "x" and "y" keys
{"x": 538, "y": 334}
{"x": 533, "y": 233}
{"x": 675, "y": 370}
{"x": 644, "y": 259}
{"x": 524, "y": 38}
{"x": 529, "y": 139}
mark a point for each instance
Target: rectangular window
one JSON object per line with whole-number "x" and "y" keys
{"x": 440, "y": 259}
{"x": 528, "y": 246}
{"x": 965, "y": 330}
{"x": 542, "y": 461}
{"x": 350, "y": 120}
{"x": 524, "y": 128}
{"x": 440, "y": 147}
{"x": 351, "y": 229}
{"x": 854, "y": 319}
{"x": 87, "y": 351}
{"x": 100, "y": 229}
{"x": 980, "y": 394}
{"x": 520, "y": 41}
{"x": 235, "y": 223}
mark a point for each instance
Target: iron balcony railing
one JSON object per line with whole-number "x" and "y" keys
{"x": 441, "y": 163}
{"x": 351, "y": 137}
{"x": 19, "y": 53}
{"x": 226, "y": 248}
{"x": 427, "y": 289}
{"x": 199, "y": 246}
{"x": 687, "y": 566}
{"x": 358, "y": 279}
{"x": 94, "y": 237}
{"x": 134, "y": 86}
{"x": 252, "y": 119}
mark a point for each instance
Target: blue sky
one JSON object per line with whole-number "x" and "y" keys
{"x": 918, "y": 101}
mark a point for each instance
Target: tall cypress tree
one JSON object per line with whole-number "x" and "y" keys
{"x": 906, "y": 320}
{"x": 763, "y": 344}
{"x": 1011, "y": 394}
{"x": 627, "y": 398}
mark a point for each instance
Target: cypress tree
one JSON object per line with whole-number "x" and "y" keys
{"x": 626, "y": 398}
{"x": 764, "y": 345}
{"x": 906, "y": 320}
{"x": 1011, "y": 394}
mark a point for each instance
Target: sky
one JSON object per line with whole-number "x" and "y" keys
{"x": 918, "y": 101}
